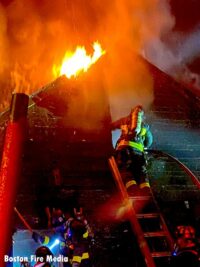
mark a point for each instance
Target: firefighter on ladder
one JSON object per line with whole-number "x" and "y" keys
{"x": 130, "y": 150}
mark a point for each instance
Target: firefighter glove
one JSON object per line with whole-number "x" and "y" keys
{"x": 36, "y": 237}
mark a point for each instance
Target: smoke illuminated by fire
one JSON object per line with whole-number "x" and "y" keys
{"x": 74, "y": 63}
{"x": 36, "y": 35}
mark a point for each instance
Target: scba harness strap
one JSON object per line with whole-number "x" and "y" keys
{"x": 132, "y": 144}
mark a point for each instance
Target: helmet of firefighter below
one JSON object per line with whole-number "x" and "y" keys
{"x": 78, "y": 214}
{"x": 42, "y": 252}
{"x": 58, "y": 218}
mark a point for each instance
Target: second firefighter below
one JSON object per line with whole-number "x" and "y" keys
{"x": 74, "y": 234}
{"x": 130, "y": 150}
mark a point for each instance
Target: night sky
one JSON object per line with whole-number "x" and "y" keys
{"x": 186, "y": 13}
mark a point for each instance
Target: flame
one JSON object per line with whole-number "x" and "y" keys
{"x": 74, "y": 63}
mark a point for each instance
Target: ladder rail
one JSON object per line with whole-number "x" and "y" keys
{"x": 132, "y": 215}
{"x": 162, "y": 220}
{"x": 165, "y": 228}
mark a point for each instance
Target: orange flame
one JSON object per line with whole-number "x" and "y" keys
{"x": 74, "y": 63}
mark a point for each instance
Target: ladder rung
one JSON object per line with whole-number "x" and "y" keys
{"x": 140, "y": 198}
{"x": 149, "y": 203}
{"x": 155, "y": 234}
{"x": 161, "y": 254}
{"x": 147, "y": 215}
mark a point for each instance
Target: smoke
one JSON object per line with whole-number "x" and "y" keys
{"x": 3, "y": 42}
{"x": 190, "y": 46}
{"x": 36, "y": 34}
{"x": 188, "y": 50}
{"x": 132, "y": 25}
{"x": 175, "y": 54}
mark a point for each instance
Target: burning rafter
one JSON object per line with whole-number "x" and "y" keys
{"x": 75, "y": 62}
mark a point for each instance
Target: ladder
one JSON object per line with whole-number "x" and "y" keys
{"x": 148, "y": 225}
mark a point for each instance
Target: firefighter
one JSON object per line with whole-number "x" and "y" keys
{"x": 78, "y": 235}
{"x": 41, "y": 256}
{"x": 79, "y": 238}
{"x": 74, "y": 243}
{"x": 186, "y": 251}
{"x": 58, "y": 232}
{"x": 130, "y": 150}
{"x": 78, "y": 213}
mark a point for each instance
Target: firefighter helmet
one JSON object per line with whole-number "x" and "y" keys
{"x": 78, "y": 213}
{"x": 58, "y": 218}
{"x": 42, "y": 252}
{"x": 187, "y": 232}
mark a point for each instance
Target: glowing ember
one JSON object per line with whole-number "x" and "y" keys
{"x": 74, "y": 63}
